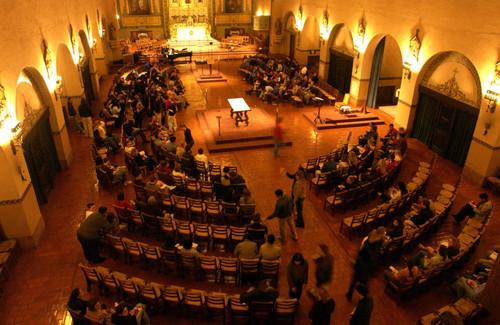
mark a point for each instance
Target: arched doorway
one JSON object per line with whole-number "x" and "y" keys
{"x": 340, "y": 57}
{"x": 383, "y": 54}
{"x": 448, "y": 105}
{"x": 290, "y": 34}
{"x": 32, "y": 108}
{"x": 86, "y": 66}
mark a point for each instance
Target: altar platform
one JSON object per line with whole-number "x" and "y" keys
{"x": 333, "y": 119}
{"x": 258, "y": 133}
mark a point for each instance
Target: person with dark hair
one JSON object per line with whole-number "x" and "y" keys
{"x": 422, "y": 217}
{"x": 90, "y": 209}
{"x": 478, "y": 211}
{"x": 121, "y": 202}
{"x": 188, "y": 137}
{"x": 246, "y": 249}
{"x": 171, "y": 146}
{"x": 96, "y": 312}
{"x": 76, "y": 303}
{"x": 201, "y": 157}
{"x": 132, "y": 131}
{"x": 187, "y": 248}
{"x": 127, "y": 314}
{"x": 115, "y": 172}
{"x": 152, "y": 208}
{"x": 263, "y": 293}
{"x": 143, "y": 159}
{"x": 362, "y": 312}
{"x": 426, "y": 260}
{"x": 397, "y": 228}
{"x": 72, "y": 116}
{"x": 246, "y": 197}
{"x": 401, "y": 275}
{"x": 138, "y": 179}
{"x": 270, "y": 251}
{"x": 283, "y": 211}
{"x": 362, "y": 269}
{"x": 88, "y": 234}
{"x": 86, "y": 114}
{"x": 297, "y": 274}
{"x": 256, "y": 230}
{"x": 322, "y": 309}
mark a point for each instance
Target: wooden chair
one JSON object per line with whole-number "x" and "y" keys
{"x": 135, "y": 220}
{"x": 215, "y": 172}
{"x": 228, "y": 267}
{"x": 123, "y": 216}
{"x": 193, "y": 302}
{"x": 353, "y": 223}
{"x": 172, "y": 299}
{"x": 166, "y": 227}
{"x": 149, "y": 294}
{"x": 196, "y": 211}
{"x": 114, "y": 245}
{"x": 168, "y": 260}
{"x": 249, "y": 270}
{"x": 109, "y": 283}
{"x": 167, "y": 203}
{"x": 207, "y": 190}
{"x": 269, "y": 270}
{"x": 220, "y": 235}
{"x": 212, "y": 211}
{"x": 230, "y": 212}
{"x": 319, "y": 182}
{"x": 128, "y": 289}
{"x": 202, "y": 234}
{"x": 106, "y": 181}
{"x": 208, "y": 267}
{"x": 192, "y": 188}
{"x": 188, "y": 265}
{"x": 247, "y": 211}
{"x": 262, "y": 312}
{"x": 150, "y": 225}
{"x": 183, "y": 230}
{"x": 215, "y": 304}
{"x": 285, "y": 311}
{"x": 91, "y": 277}
{"x": 239, "y": 313}
{"x": 309, "y": 166}
{"x": 132, "y": 250}
{"x": 202, "y": 170}
{"x": 181, "y": 207}
{"x": 403, "y": 290}
{"x": 236, "y": 236}
{"x": 140, "y": 193}
{"x": 76, "y": 316}
{"x": 151, "y": 254}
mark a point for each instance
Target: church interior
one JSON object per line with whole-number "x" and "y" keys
{"x": 315, "y": 82}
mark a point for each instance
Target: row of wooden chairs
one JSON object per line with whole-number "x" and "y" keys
{"x": 201, "y": 210}
{"x": 465, "y": 308}
{"x": 361, "y": 194}
{"x": 209, "y": 305}
{"x": 384, "y": 213}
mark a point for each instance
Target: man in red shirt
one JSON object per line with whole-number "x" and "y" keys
{"x": 278, "y": 137}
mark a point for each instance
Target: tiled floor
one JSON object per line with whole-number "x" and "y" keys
{"x": 44, "y": 277}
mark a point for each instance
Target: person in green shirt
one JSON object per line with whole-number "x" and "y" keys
{"x": 283, "y": 210}
{"x": 88, "y": 233}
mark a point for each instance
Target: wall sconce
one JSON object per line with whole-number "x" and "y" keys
{"x": 486, "y": 128}
{"x": 94, "y": 46}
{"x": 412, "y": 57}
{"x": 360, "y": 38}
{"x": 58, "y": 89}
{"x": 493, "y": 93}
{"x": 324, "y": 27}
{"x": 300, "y": 14}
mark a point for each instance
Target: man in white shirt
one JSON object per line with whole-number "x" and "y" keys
{"x": 201, "y": 157}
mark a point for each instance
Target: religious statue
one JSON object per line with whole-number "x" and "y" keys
{"x": 112, "y": 32}
{"x": 47, "y": 58}
{"x": 72, "y": 38}
{"x": 278, "y": 26}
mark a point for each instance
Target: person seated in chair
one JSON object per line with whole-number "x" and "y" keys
{"x": 131, "y": 131}
{"x": 76, "y": 303}
{"x": 256, "y": 230}
{"x": 270, "y": 251}
{"x": 422, "y": 217}
{"x": 478, "y": 211}
{"x": 246, "y": 249}
{"x": 97, "y": 312}
{"x": 263, "y": 293}
{"x": 399, "y": 275}
{"x": 115, "y": 172}
{"x": 153, "y": 208}
{"x": 127, "y": 314}
{"x": 469, "y": 288}
{"x": 426, "y": 261}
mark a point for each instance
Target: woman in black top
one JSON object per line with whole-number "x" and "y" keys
{"x": 322, "y": 309}
{"x": 76, "y": 303}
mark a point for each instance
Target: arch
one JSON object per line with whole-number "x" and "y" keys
{"x": 454, "y": 75}
{"x": 84, "y": 41}
{"x": 341, "y": 40}
{"x": 290, "y": 23}
{"x": 68, "y": 72}
{"x": 87, "y": 70}
{"x": 388, "y": 75}
{"x": 290, "y": 34}
{"x": 309, "y": 36}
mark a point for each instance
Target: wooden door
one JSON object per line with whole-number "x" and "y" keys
{"x": 292, "y": 46}
{"x": 442, "y": 132}
{"x": 340, "y": 71}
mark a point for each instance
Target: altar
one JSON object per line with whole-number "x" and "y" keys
{"x": 191, "y": 33}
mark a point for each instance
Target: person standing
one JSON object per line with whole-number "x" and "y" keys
{"x": 188, "y": 138}
{"x": 88, "y": 234}
{"x": 362, "y": 269}
{"x": 283, "y": 210}
{"x": 278, "y": 137}
{"x": 74, "y": 119}
{"x": 324, "y": 268}
{"x": 322, "y": 309}
{"x": 86, "y": 114}
{"x": 172, "y": 121}
{"x": 297, "y": 274}
{"x": 361, "y": 314}
{"x": 299, "y": 195}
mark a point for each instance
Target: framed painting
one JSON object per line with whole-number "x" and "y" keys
{"x": 139, "y": 7}
{"x": 233, "y": 6}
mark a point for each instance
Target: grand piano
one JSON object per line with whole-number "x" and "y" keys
{"x": 171, "y": 54}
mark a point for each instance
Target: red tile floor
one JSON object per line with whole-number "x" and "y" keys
{"x": 44, "y": 277}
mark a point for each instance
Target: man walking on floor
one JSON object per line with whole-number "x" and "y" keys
{"x": 283, "y": 210}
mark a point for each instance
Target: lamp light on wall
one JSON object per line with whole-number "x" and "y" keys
{"x": 94, "y": 46}
{"x": 300, "y": 13}
{"x": 493, "y": 94}
{"x": 360, "y": 37}
{"x": 323, "y": 34}
{"x": 412, "y": 57}
{"x": 58, "y": 89}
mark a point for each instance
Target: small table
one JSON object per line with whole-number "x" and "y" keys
{"x": 239, "y": 108}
